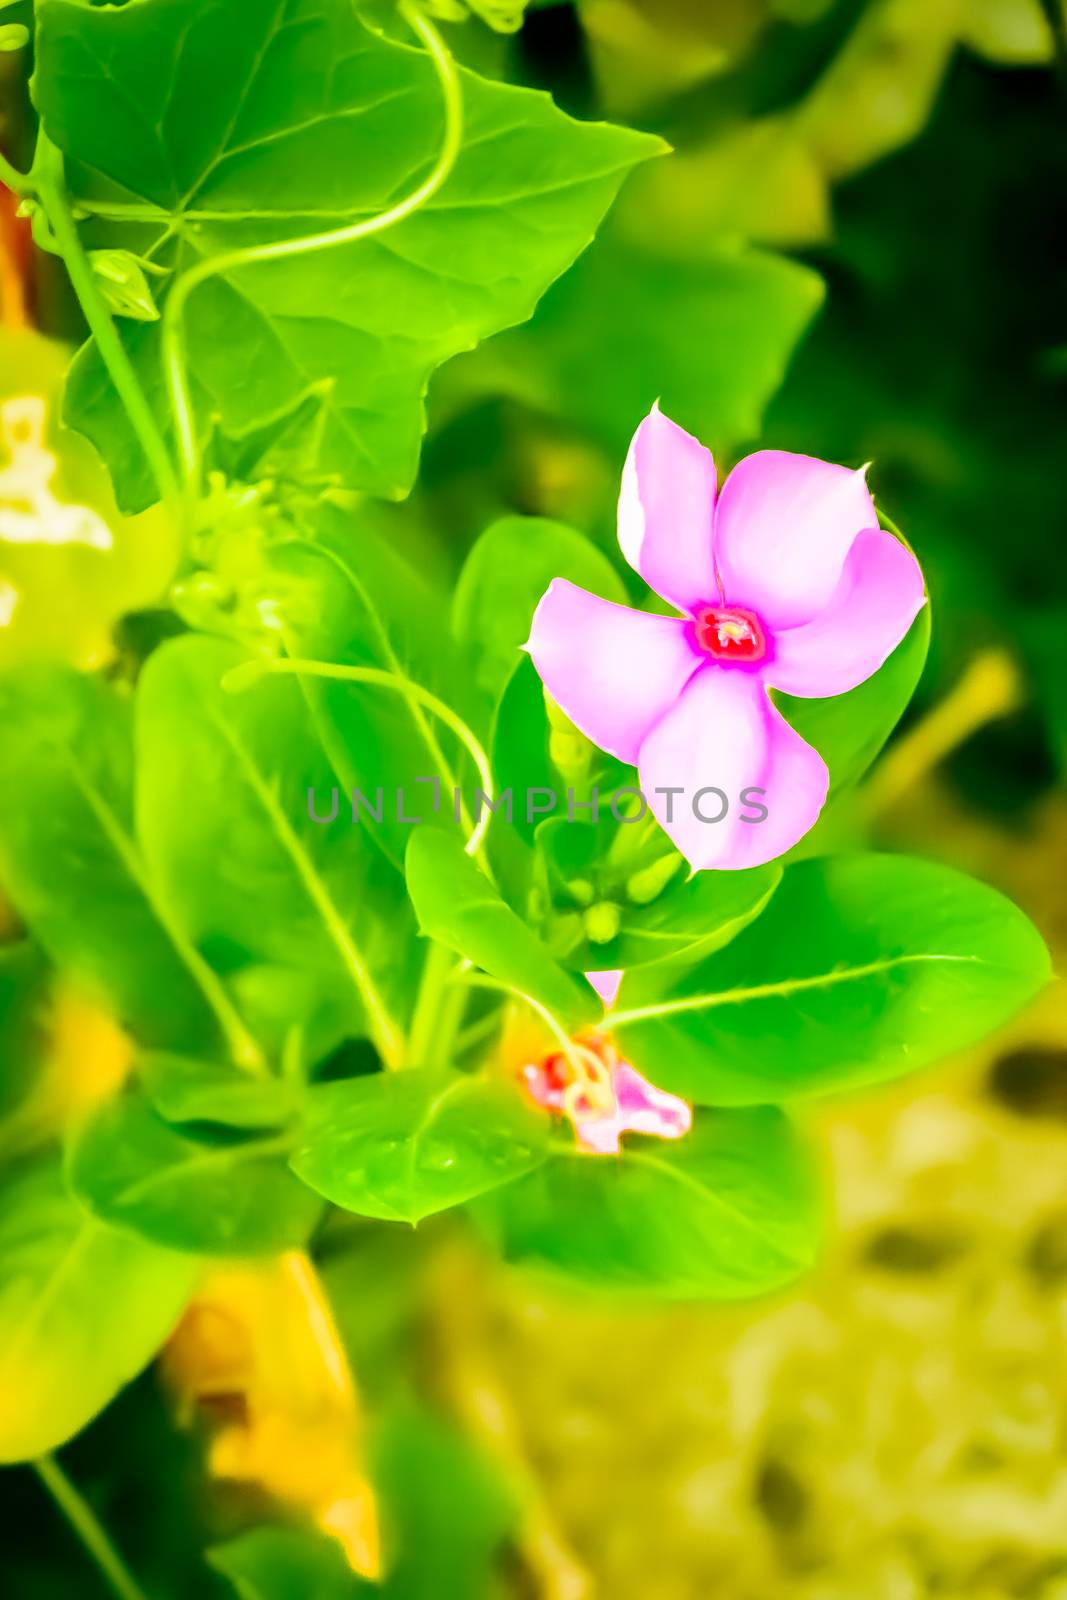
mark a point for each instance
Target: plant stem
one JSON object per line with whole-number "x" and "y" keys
{"x": 427, "y": 1046}
{"x": 18, "y": 182}
{"x": 49, "y": 187}
{"x": 173, "y": 349}
{"x": 88, "y": 1528}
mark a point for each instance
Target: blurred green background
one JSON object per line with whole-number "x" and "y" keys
{"x": 855, "y": 251}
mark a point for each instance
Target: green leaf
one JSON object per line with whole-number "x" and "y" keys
{"x": 72, "y": 867}
{"x": 279, "y": 1563}
{"x": 862, "y": 968}
{"x": 220, "y": 126}
{"x": 711, "y": 340}
{"x": 727, "y": 1211}
{"x": 222, "y": 809}
{"x": 24, "y": 986}
{"x": 83, "y": 1307}
{"x": 457, "y": 905}
{"x": 132, "y": 1170}
{"x": 850, "y": 729}
{"x": 504, "y": 577}
{"x": 190, "y": 1089}
{"x": 401, "y": 1145}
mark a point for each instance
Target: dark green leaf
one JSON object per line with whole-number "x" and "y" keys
{"x": 402, "y": 1145}
{"x": 83, "y": 1307}
{"x": 862, "y": 968}
{"x": 457, "y": 905}
{"x": 230, "y": 124}
{"x": 238, "y": 1198}
{"x": 729, "y": 1210}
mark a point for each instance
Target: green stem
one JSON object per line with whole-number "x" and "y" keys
{"x": 48, "y": 184}
{"x": 173, "y": 344}
{"x": 90, "y": 1531}
{"x": 249, "y": 672}
{"x": 428, "y": 1046}
{"x": 18, "y": 182}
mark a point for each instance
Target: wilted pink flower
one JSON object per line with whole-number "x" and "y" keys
{"x": 604, "y": 1096}
{"x": 784, "y": 581}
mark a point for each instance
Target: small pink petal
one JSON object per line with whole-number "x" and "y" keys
{"x": 606, "y": 984}
{"x": 639, "y": 1108}
{"x": 725, "y": 734}
{"x": 612, "y": 670}
{"x": 877, "y": 599}
{"x": 783, "y": 528}
{"x": 540, "y": 1089}
{"x": 666, "y": 510}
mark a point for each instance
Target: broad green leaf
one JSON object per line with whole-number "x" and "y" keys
{"x": 504, "y": 577}
{"x": 850, "y": 729}
{"x": 235, "y": 1198}
{"x": 401, "y": 1145}
{"x": 727, "y": 1211}
{"x": 190, "y": 1089}
{"x": 598, "y": 880}
{"x": 83, "y": 1307}
{"x": 457, "y": 905}
{"x": 282, "y": 1563}
{"x": 200, "y": 128}
{"x": 223, "y": 784}
{"x": 711, "y": 340}
{"x": 862, "y": 968}
{"x": 72, "y": 867}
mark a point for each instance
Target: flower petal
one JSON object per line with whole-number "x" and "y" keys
{"x": 606, "y": 983}
{"x": 783, "y": 528}
{"x": 875, "y": 603}
{"x": 666, "y": 512}
{"x": 724, "y": 734}
{"x": 612, "y": 670}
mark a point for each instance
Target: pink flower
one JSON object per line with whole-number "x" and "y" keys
{"x": 606, "y": 983}
{"x": 784, "y": 581}
{"x": 604, "y": 1096}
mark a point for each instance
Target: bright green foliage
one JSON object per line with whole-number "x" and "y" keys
{"x": 187, "y": 1089}
{"x": 456, "y": 904}
{"x": 220, "y": 1197}
{"x": 223, "y": 812}
{"x": 862, "y": 968}
{"x": 83, "y": 1307}
{"x": 729, "y": 1210}
{"x": 70, "y": 861}
{"x": 242, "y": 123}
{"x": 407, "y": 1144}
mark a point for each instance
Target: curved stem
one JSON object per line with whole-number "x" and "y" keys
{"x": 249, "y": 672}
{"x": 171, "y": 328}
{"x": 90, "y": 1531}
{"x": 19, "y": 183}
{"x": 49, "y": 187}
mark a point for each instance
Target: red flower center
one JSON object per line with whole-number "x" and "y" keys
{"x": 730, "y": 634}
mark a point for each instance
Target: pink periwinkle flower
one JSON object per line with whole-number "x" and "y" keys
{"x": 604, "y": 1096}
{"x": 784, "y": 581}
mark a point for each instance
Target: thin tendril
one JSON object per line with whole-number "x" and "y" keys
{"x": 171, "y": 327}
{"x": 249, "y": 672}
{"x": 90, "y": 1531}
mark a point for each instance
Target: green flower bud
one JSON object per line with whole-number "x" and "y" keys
{"x": 13, "y": 36}
{"x": 648, "y": 884}
{"x": 602, "y": 922}
{"x": 580, "y": 889}
{"x": 120, "y": 275}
